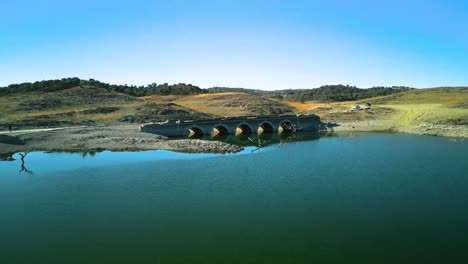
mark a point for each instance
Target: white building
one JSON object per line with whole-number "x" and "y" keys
{"x": 356, "y": 107}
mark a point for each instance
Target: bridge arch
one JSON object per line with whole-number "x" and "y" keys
{"x": 195, "y": 131}
{"x": 244, "y": 129}
{"x": 286, "y": 126}
{"x": 220, "y": 130}
{"x": 265, "y": 127}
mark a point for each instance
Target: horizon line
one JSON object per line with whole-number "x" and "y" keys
{"x": 229, "y": 87}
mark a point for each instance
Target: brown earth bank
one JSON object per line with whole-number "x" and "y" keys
{"x": 113, "y": 138}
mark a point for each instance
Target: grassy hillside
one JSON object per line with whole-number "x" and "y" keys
{"x": 430, "y": 106}
{"x": 74, "y": 106}
{"x": 325, "y": 93}
{"x": 84, "y": 106}
{"x": 455, "y": 97}
{"x": 427, "y": 111}
{"x": 91, "y": 105}
{"x": 67, "y": 83}
{"x": 234, "y": 104}
{"x": 404, "y": 111}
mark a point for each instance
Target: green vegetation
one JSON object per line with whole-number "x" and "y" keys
{"x": 68, "y": 83}
{"x": 327, "y": 93}
{"x": 237, "y": 90}
{"x": 339, "y": 93}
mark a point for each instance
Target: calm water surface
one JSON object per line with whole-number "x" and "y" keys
{"x": 378, "y": 198}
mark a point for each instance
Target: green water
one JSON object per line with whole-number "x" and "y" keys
{"x": 379, "y": 198}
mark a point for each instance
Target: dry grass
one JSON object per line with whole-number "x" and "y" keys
{"x": 158, "y": 99}
{"x": 402, "y": 111}
{"x": 426, "y": 106}
{"x": 302, "y": 108}
{"x": 405, "y": 112}
{"x": 127, "y": 108}
{"x": 69, "y": 107}
{"x": 409, "y": 115}
{"x": 233, "y": 104}
{"x": 448, "y": 97}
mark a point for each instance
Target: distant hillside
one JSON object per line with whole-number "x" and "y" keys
{"x": 236, "y": 90}
{"x": 69, "y": 102}
{"x": 278, "y": 94}
{"x": 339, "y": 93}
{"x": 453, "y": 97}
{"x": 84, "y": 106}
{"x": 234, "y": 104}
{"x": 434, "y": 111}
{"x": 73, "y": 101}
{"x": 67, "y": 83}
{"x": 328, "y": 93}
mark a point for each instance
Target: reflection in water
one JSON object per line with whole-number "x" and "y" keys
{"x": 23, "y": 166}
{"x": 264, "y": 139}
{"x": 84, "y": 154}
{"x": 259, "y": 143}
{"x": 267, "y": 139}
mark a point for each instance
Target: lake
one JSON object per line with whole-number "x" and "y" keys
{"x": 371, "y": 198}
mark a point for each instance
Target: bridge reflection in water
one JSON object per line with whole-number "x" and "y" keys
{"x": 266, "y": 139}
{"x": 238, "y": 126}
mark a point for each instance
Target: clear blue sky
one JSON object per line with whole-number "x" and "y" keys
{"x": 238, "y": 43}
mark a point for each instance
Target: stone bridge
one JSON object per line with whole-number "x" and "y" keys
{"x": 235, "y": 126}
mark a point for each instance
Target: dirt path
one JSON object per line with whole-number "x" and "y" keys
{"x": 26, "y": 131}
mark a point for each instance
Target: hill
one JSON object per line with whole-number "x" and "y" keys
{"x": 234, "y": 104}
{"x": 325, "y": 93}
{"x": 334, "y": 93}
{"x": 60, "y": 103}
{"x": 429, "y": 111}
{"x": 434, "y": 111}
{"x": 67, "y": 83}
{"x": 84, "y": 106}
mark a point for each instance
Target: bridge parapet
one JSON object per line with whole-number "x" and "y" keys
{"x": 231, "y": 125}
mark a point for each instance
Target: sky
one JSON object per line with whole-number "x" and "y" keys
{"x": 260, "y": 44}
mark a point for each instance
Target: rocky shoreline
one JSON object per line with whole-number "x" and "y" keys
{"x": 129, "y": 138}
{"x": 113, "y": 138}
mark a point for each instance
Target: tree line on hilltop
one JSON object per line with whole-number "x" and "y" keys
{"x": 323, "y": 93}
{"x": 341, "y": 93}
{"x": 67, "y": 83}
